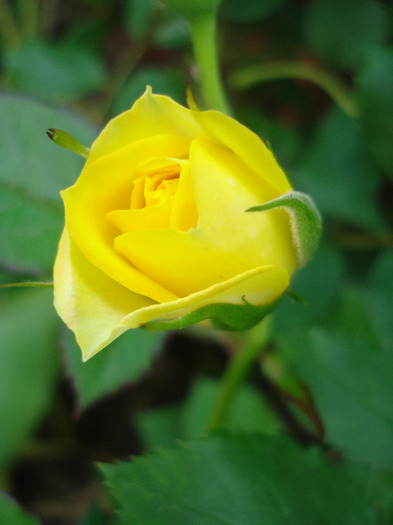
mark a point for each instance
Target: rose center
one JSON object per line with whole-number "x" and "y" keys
{"x": 161, "y": 197}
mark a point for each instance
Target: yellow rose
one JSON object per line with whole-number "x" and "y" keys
{"x": 155, "y": 226}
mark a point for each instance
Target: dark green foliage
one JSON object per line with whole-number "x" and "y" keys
{"x": 238, "y": 479}
{"x": 324, "y": 373}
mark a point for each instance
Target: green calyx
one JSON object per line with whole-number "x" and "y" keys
{"x": 306, "y": 222}
{"x": 191, "y": 9}
{"x": 223, "y": 316}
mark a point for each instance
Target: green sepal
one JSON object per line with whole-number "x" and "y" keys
{"x": 65, "y": 140}
{"x": 306, "y": 222}
{"x": 223, "y": 316}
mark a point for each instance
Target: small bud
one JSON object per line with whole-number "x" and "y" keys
{"x": 65, "y": 140}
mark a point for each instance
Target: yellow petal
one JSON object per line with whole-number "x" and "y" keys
{"x": 152, "y": 217}
{"x": 104, "y": 186}
{"x": 224, "y": 188}
{"x": 150, "y": 115}
{"x": 246, "y": 145}
{"x": 156, "y": 168}
{"x": 157, "y": 114}
{"x": 89, "y": 302}
{"x": 181, "y": 262}
{"x": 260, "y": 286}
{"x": 184, "y": 213}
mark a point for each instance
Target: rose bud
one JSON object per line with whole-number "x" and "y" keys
{"x": 156, "y": 230}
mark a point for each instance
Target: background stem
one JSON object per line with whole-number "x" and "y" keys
{"x": 237, "y": 370}
{"x": 204, "y": 40}
{"x": 247, "y": 77}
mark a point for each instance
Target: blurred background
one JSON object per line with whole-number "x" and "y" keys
{"x": 312, "y": 78}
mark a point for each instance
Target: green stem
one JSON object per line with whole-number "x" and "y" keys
{"x": 237, "y": 370}
{"x": 9, "y": 32}
{"x": 249, "y": 76}
{"x": 204, "y": 40}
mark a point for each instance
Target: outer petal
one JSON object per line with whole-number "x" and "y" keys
{"x": 150, "y": 115}
{"x": 246, "y": 145}
{"x": 158, "y": 114}
{"x": 224, "y": 187}
{"x": 181, "y": 262}
{"x": 104, "y": 186}
{"x": 89, "y": 302}
{"x": 260, "y": 286}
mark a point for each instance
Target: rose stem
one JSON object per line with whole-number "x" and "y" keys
{"x": 249, "y": 76}
{"x": 237, "y": 370}
{"x": 204, "y": 40}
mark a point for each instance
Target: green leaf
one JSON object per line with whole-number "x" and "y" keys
{"x": 32, "y": 173}
{"x": 380, "y": 300}
{"x": 121, "y": 362}
{"x": 244, "y": 479}
{"x": 342, "y": 32}
{"x": 161, "y": 427}
{"x": 193, "y": 8}
{"x": 306, "y": 223}
{"x": 249, "y": 410}
{"x": 97, "y": 516}
{"x": 351, "y": 315}
{"x": 54, "y": 73}
{"x": 29, "y": 230}
{"x": 340, "y": 175}
{"x": 12, "y": 514}
{"x": 164, "y": 427}
{"x": 249, "y": 11}
{"x": 374, "y": 96}
{"x": 138, "y": 17}
{"x": 318, "y": 285}
{"x": 224, "y": 316}
{"x": 172, "y": 32}
{"x": 381, "y": 274}
{"x": 351, "y": 383}
{"x": 29, "y": 330}
{"x": 163, "y": 81}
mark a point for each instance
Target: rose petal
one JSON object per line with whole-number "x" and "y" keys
{"x": 99, "y": 310}
{"x": 181, "y": 262}
{"x": 157, "y": 216}
{"x": 246, "y": 145}
{"x": 224, "y": 187}
{"x": 88, "y": 301}
{"x": 260, "y": 286}
{"x": 157, "y": 114}
{"x": 184, "y": 213}
{"x": 104, "y": 186}
{"x": 150, "y": 115}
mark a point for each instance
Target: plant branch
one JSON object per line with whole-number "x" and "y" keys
{"x": 204, "y": 40}
{"x": 252, "y": 75}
